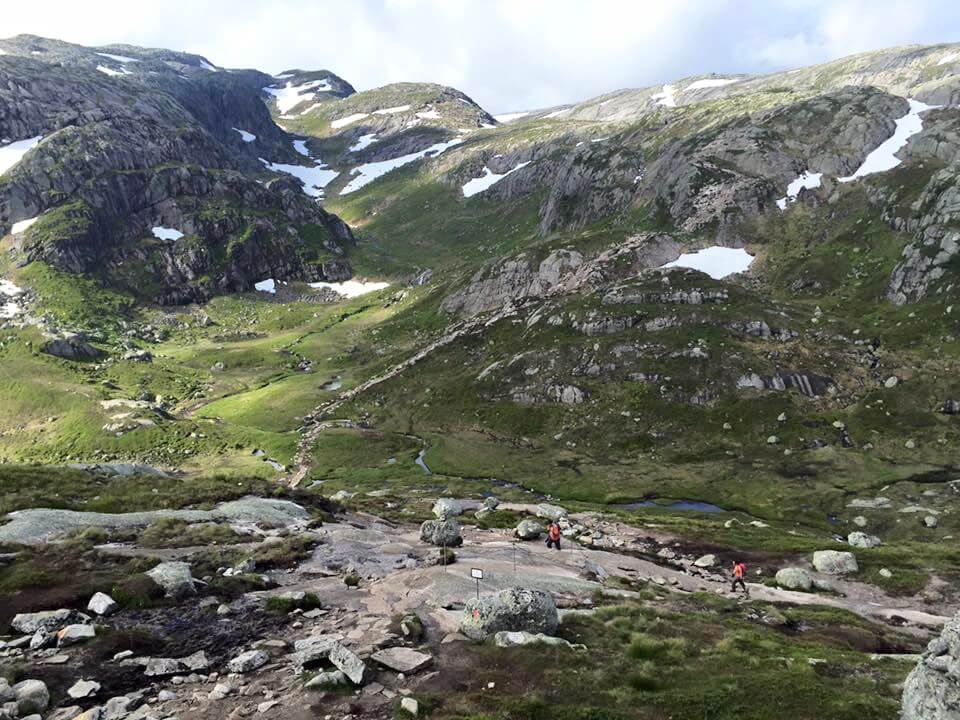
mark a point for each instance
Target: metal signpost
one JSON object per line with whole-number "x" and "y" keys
{"x": 477, "y": 574}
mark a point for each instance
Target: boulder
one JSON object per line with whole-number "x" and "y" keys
{"x": 931, "y": 521}
{"x": 705, "y": 561}
{"x": 512, "y": 609}
{"x": 859, "y": 539}
{"x": 932, "y": 691}
{"x": 49, "y": 620}
{"x": 441, "y": 532}
{"x": 71, "y": 346}
{"x": 409, "y": 705}
{"x": 248, "y": 661}
{"x": 31, "y": 697}
{"x": 491, "y": 502}
{"x": 160, "y": 667}
{"x": 528, "y": 529}
{"x": 101, "y": 604}
{"x": 402, "y": 659}
{"x": 483, "y": 513}
{"x": 793, "y": 578}
{"x": 835, "y": 562}
{"x": 329, "y": 678}
{"x": 554, "y": 513}
{"x": 445, "y": 508}
{"x": 72, "y": 634}
{"x": 174, "y": 577}
{"x": 196, "y": 661}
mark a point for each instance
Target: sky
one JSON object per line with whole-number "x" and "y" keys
{"x": 506, "y": 54}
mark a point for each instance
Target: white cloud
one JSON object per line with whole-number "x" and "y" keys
{"x": 507, "y": 54}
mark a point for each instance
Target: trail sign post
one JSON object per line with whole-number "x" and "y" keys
{"x": 477, "y": 574}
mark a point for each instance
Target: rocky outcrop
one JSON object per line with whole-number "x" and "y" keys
{"x": 808, "y": 384}
{"x": 70, "y": 346}
{"x": 932, "y": 690}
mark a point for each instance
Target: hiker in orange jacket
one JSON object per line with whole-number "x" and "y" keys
{"x": 739, "y": 570}
{"x": 553, "y": 536}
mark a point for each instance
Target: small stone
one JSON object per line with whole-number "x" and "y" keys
{"x": 910, "y": 444}
{"x": 101, "y": 604}
{"x": 885, "y": 573}
{"x": 782, "y": 417}
{"x": 402, "y": 659}
{"x": 83, "y": 689}
{"x": 410, "y": 705}
{"x": 773, "y": 440}
{"x": 891, "y": 382}
{"x": 931, "y": 521}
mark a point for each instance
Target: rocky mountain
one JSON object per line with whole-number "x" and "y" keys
{"x": 288, "y": 345}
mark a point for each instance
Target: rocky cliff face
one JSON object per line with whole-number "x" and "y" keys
{"x": 152, "y": 139}
{"x": 932, "y": 690}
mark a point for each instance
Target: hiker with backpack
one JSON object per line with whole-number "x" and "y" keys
{"x": 553, "y": 536}
{"x": 739, "y": 571}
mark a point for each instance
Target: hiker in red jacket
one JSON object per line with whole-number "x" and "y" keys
{"x": 739, "y": 570}
{"x": 553, "y": 536}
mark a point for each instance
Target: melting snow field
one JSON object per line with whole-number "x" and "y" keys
{"x": 666, "y": 97}
{"x": 717, "y": 262}
{"x": 247, "y": 136}
{"x": 164, "y": 233}
{"x": 948, "y": 58}
{"x": 344, "y": 121}
{"x": 884, "y": 157}
{"x": 352, "y": 288}
{"x": 290, "y": 95}
{"x": 269, "y": 285}
{"x": 489, "y": 178}
{"x": 19, "y": 227}
{"x": 556, "y": 113}
{"x": 8, "y": 291}
{"x": 363, "y": 141}
{"x": 11, "y": 154}
{"x": 806, "y": 180}
{"x": 429, "y": 114}
{"x": 301, "y": 147}
{"x": 366, "y": 174}
{"x": 392, "y": 110}
{"x": 510, "y": 117}
{"x": 710, "y": 83}
{"x": 119, "y": 58}
{"x": 111, "y": 72}
{"x": 314, "y": 179}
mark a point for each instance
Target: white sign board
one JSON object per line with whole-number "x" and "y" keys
{"x": 476, "y": 573}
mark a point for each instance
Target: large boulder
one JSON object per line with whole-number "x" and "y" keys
{"x": 101, "y": 604}
{"x": 445, "y": 508}
{"x": 347, "y": 662}
{"x": 835, "y": 562}
{"x": 932, "y": 689}
{"x": 553, "y": 513}
{"x": 248, "y": 661}
{"x": 174, "y": 577}
{"x": 31, "y": 696}
{"x": 859, "y": 539}
{"x": 793, "y": 578}
{"x": 528, "y": 529}
{"x": 71, "y": 346}
{"x": 49, "y": 620}
{"x": 73, "y": 634}
{"x": 402, "y": 659}
{"x": 441, "y": 532}
{"x": 513, "y": 609}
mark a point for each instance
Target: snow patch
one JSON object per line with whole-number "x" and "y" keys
{"x": 290, "y": 95}
{"x": 806, "y": 180}
{"x": 11, "y": 154}
{"x": 207, "y": 66}
{"x": 19, "y": 227}
{"x": 113, "y": 73}
{"x": 352, "y": 288}
{"x": 344, "y": 121}
{"x": 489, "y": 178}
{"x": 430, "y": 114}
{"x": 363, "y": 142}
{"x": 710, "y": 83}
{"x": 269, "y": 285}
{"x": 884, "y": 157}
{"x": 510, "y": 117}
{"x": 301, "y": 147}
{"x": 119, "y": 58}
{"x": 247, "y": 136}
{"x": 165, "y": 233}
{"x": 717, "y": 262}
{"x": 952, "y": 57}
{"x": 392, "y": 110}
{"x": 310, "y": 109}
{"x": 556, "y": 113}
{"x": 666, "y": 97}
{"x": 366, "y": 174}
{"x": 314, "y": 179}
{"x": 11, "y": 308}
